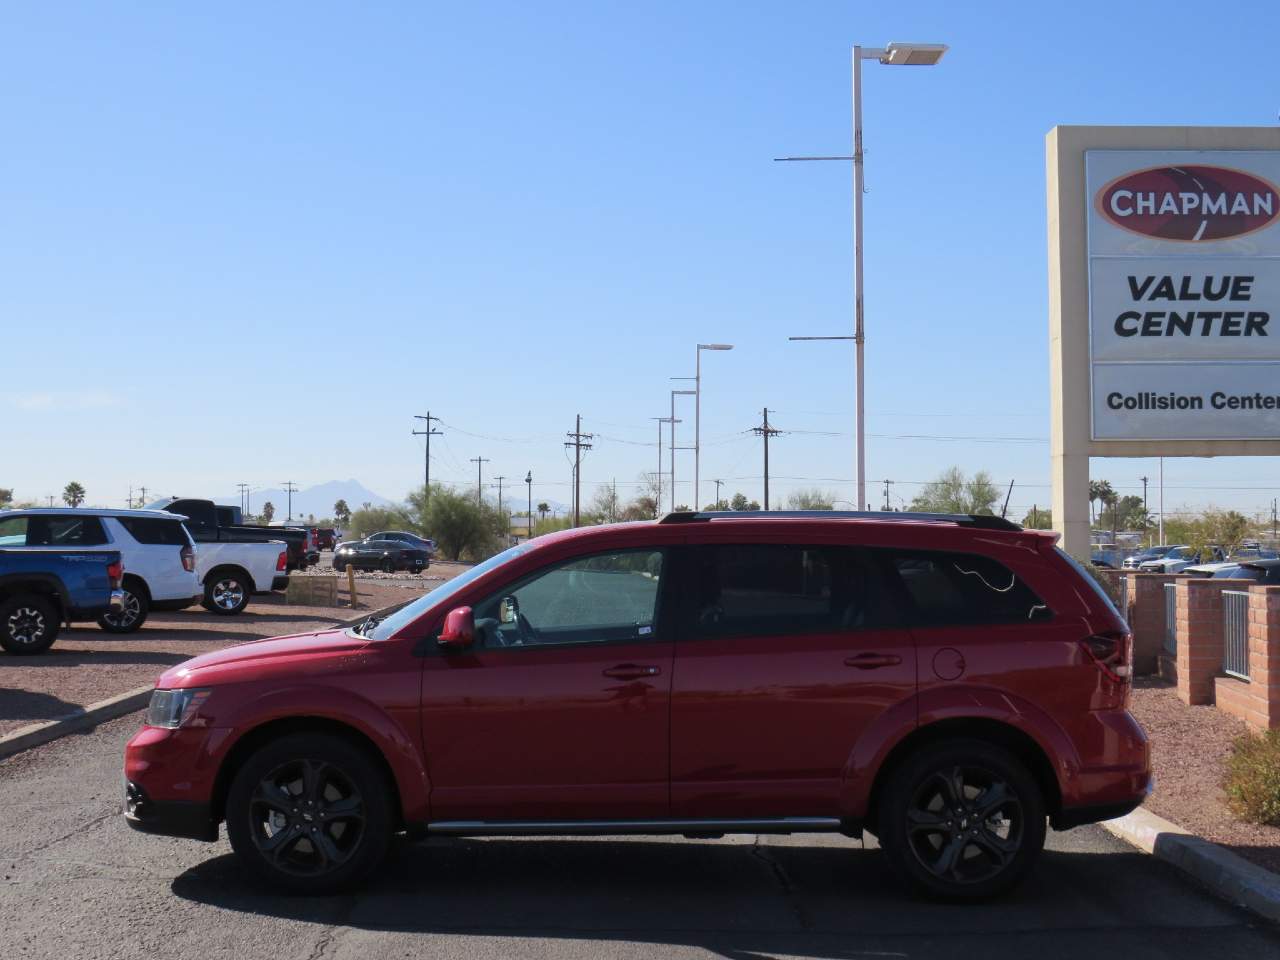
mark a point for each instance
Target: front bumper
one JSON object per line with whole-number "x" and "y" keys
{"x": 170, "y": 818}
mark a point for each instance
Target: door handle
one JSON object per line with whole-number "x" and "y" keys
{"x": 631, "y": 671}
{"x": 869, "y": 661}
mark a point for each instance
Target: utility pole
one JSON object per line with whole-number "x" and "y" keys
{"x": 674, "y": 448}
{"x": 717, "y": 483}
{"x": 50, "y": 500}
{"x": 479, "y": 462}
{"x": 1273, "y": 518}
{"x": 289, "y": 487}
{"x": 657, "y": 505}
{"x": 244, "y": 496}
{"x": 143, "y": 496}
{"x": 131, "y": 496}
{"x": 887, "y": 484}
{"x": 426, "y": 460}
{"x": 576, "y": 438}
{"x": 766, "y": 431}
{"x": 528, "y": 483}
{"x": 499, "y": 479}
{"x": 1161, "y": 501}
{"x": 1144, "y": 501}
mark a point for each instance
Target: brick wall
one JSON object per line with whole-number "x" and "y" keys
{"x": 1145, "y": 614}
{"x": 1257, "y": 700}
{"x": 1199, "y": 629}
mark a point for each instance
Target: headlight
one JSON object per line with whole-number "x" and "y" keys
{"x": 173, "y": 708}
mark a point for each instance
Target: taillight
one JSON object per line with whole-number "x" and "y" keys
{"x": 282, "y": 561}
{"x": 188, "y": 559}
{"x": 115, "y": 573}
{"x": 1112, "y": 653}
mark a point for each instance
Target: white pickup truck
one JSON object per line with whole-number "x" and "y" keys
{"x": 163, "y": 568}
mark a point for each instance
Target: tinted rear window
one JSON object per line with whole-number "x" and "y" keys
{"x": 961, "y": 588}
{"x": 151, "y": 530}
{"x": 65, "y": 531}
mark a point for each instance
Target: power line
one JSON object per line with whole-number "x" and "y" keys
{"x": 766, "y": 431}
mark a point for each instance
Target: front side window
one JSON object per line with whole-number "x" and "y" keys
{"x": 609, "y": 597}
{"x": 947, "y": 589}
{"x": 13, "y": 531}
{"x": 770, "y": 589}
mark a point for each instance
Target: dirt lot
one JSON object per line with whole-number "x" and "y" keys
{"x": 1189, "y": 746}
{"x": 86, "y": 665}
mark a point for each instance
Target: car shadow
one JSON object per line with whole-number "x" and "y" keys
{"x": 32, "y": 706}
{"x": 740, "y": 901}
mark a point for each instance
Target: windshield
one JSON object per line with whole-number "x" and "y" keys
{"x": 407, "y": 614}
{"x": 1181, "y": 553}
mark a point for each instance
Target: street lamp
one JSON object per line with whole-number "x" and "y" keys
{"x": 673, "y": 421}
{"x": 697, "y": 419}
{"x": 894, "y": 55}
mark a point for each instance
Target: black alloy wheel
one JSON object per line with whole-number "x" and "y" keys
{"x": 310, "y": 813}
{"x": 962, "y": 820}
{"x": 28, "y": 625}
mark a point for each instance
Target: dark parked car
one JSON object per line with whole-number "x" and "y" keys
{"x": 946, "y": 683}
{"x": 1266, "y": 572}
{"x": 385, "y": 555}
{"x": 326, "y": 538}
{"x": 406, "y": 537}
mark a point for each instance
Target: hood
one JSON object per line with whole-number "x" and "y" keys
{"x": 297, "y": 654}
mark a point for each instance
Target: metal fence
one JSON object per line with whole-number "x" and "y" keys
{"x": 1235, "y": 633}
{"x": 1170, "y": 618}
{"x": 1124, "y": 596}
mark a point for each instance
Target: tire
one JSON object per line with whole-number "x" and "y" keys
{"x": 387, "y": 566}
{"x": 226, "y": 593}
{"x": 132, "y": 616}
{"x": 339, "y": 566}
{"x": 28, "y": 624}
{"x": 261, "y": 814}
{"x": 965, "y": 856}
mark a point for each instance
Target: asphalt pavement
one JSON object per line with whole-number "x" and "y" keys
{"x": 75, "y": 882}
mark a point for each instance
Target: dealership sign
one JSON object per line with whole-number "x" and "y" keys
{"x": 1184, "y": 294}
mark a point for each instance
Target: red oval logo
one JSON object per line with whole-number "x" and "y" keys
{"x": 1190, "y": 204}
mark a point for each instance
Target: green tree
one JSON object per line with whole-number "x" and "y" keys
{"x": 462, "y": 528}
{"x": 740, "y": 502}
{"x": 604, "y": 507}
{"x": 1038, "y": 519}
{"x": 268, "y": 511}
{"x": 811, "y": 500}
{"x": 1125, "y": 513}
{"x": 953, "y": 492}
{"x": 342, "y": 513}
{"x": 73, "y": 494}
{"x": 720, "y": 505}
{"x": 543, "y": 509}
{"x": 6, "y": 498}
{"x": 371, "y": 519}
{"x": 1100, "y": 491}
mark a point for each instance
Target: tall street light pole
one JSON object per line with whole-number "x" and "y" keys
{"x": 697, "y": 419}
{"x": 674, "y": 448}
{"x": 895, "y": 54}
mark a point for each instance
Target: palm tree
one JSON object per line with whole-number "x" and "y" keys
{"x": 543, "y": 509}
{"x": 1099, "y": 490}
{"x": 73, "y": 494}
{"x": 268, "y": 511}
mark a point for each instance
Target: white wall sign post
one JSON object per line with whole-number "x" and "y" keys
{"x": 1164, "y": 300}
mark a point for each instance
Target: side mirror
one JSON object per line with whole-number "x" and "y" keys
{"x": 459, "y": 629}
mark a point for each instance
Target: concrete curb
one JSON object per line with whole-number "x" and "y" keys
{"x": 1226, "y": 874}
{"x": 33, "y": 735}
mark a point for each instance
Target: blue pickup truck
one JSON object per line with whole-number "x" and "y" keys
{"x": 42, "y": 589}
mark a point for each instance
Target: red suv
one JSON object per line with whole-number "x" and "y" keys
{"x": 946, "y": 683}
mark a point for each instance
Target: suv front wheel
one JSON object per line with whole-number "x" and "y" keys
{"x": 309, "y": 813}
{"x": 962, "y": 820}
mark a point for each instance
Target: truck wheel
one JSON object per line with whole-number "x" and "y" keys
{"x": 309, "y": 813}
{"x": 388, "y": 566}
{"x": 339, "y": 566}
{"x": 226, "y": 593}
{"x": 129, "y": 617}
{"x": 962, "y": 820}
{"x": 28, "y": 624}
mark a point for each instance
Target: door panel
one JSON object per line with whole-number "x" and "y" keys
{"x": 524, "y": 733}
{"x": 785, "y": 657}
{"x": 561, "y": 708}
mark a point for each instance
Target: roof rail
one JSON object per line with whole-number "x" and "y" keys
{"x": 977, "y": 521}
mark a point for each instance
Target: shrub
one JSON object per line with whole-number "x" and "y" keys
{"x": 1253, "y": 778}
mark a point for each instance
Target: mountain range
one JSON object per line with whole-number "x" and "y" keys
{"x": 317, "y": 500}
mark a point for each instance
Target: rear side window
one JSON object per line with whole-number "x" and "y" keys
{"x": 154, "y": 531}
{"x": 65, "y": 531}
{"x": 770, "y": 589}
{"x": 961, "y": 588}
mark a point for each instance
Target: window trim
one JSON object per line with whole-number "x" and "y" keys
{"x": 662, "y": 626}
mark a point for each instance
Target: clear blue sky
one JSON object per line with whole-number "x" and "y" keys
{"x": 248, "y": 242}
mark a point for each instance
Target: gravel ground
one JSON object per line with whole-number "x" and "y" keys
{"x": 439, "y": 571}
{"x": 86, "y": 665}
{"x": 1189, "y": 747}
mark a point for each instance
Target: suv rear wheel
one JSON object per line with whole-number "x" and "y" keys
{"x": 131, "y": 616}
{"x": 28, "y": 624}
{"x": 962, "y": 820}
{"x": 309, "y": 813}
